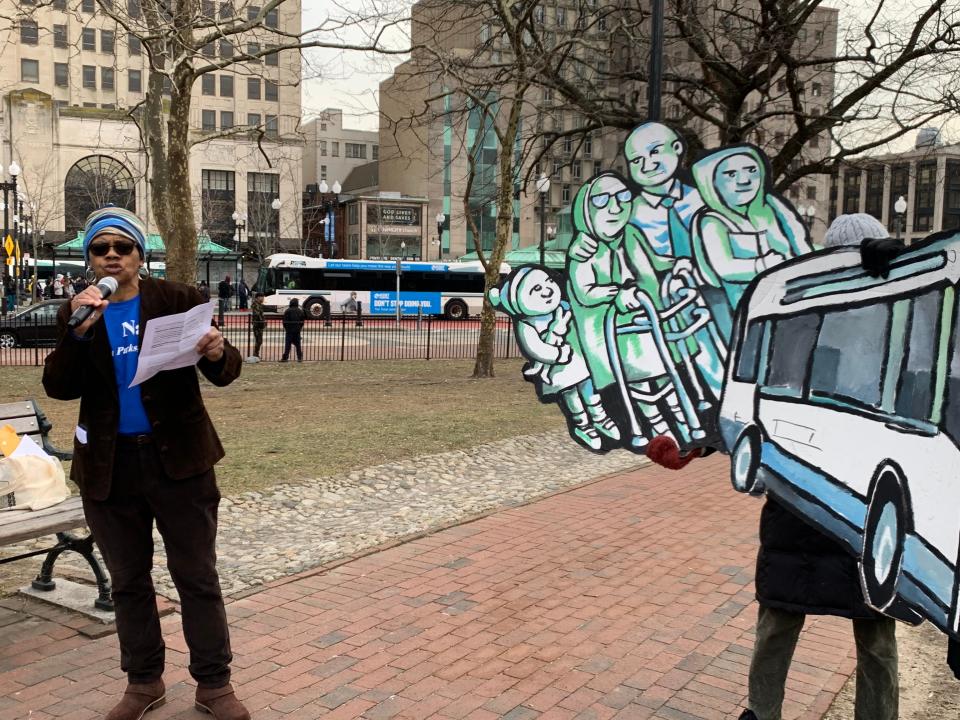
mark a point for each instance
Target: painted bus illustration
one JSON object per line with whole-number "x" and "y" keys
{"x": 842, "y": 399}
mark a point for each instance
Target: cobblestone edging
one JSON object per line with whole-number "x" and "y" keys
{"x": 290, "y": 528}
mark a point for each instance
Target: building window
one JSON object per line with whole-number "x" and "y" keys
{"x": 815, "y": 141}
{"x": 924, "y": 198}
{"x": 356, "y": 151}
{"x": 270, "y": 91}
{"x": 107, "y": 106}
{"x": 271, "y": 20}
{"x": 208, "y": 84}
{"x": 565, "y": 194}
{"x": 134, "y": 83}
{"x": 90, "y": 76}
{"x": 253, "y": 50}
{"x": 30, "y": 70}
{"x": 270, "y": 126}
{"x": 568, "y": 145}
{"x": 597, "y": 167}
{"x": 226, "y": 10}
{"x": 226, "y": 49}
{"x": 816, "y": 89}
{"x": 587, "y": 146}
{"x": 106, "y": 78}
{"x": 272, "y": 58}
{"x": 88, "y": 6}
{"x": 556, "y": 170}
{"x": 106, "y": 41}
{"x": 226, "y": 86}
{"x": 208, "y": 50}
{"x": 133, "y": 44}
{"x": 218, "y": 201}
{"x": 323, "y": 172}
{"x": 851, "y": 191}
{"x": 88, "y": 39}
{"x": 226, "y": 120}
{"x": 335, "y": 149}
{"x": 577, "y": 170}
{"x": 811, "y": 192}
{"x": 209, "y": 120}
{"x": 133, "y": 8}
{"x": 59, "y": 4}
{"x": 253, "y": 120}
{"x": 539, "y": 14}
{"x": 61, "y": 74}
{"x": 263, "y": 221}
{"x": 323, "y": 148}
{"x": 253, "y": 88}
{"x": 951, "y": 198}
{"x": 29, "y": 34}
{"x": 374, "y": 152}
{"x": 60, "y": 36}
{"x": 874, "y": 200}
{"x": 252, "y": 12}
{"x": 561, "y": 17}
{"x": 208, "y": 9}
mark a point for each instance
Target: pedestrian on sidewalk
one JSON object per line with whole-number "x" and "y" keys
{"x": 801, "y": 571}
{"x": 243, "y": 294}
{"x": 146, "y": 454}
{"x": 293, "y": 319}
{"x": 258, "y": 322}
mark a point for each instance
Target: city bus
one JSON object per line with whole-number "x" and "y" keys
{"x": 842, "y": 399}
{"x": 451, "y": 290}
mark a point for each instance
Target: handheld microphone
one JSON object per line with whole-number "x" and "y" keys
{"x": 107, "y": 286}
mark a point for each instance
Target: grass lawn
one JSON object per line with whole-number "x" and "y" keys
{"x": 284, "y": 423}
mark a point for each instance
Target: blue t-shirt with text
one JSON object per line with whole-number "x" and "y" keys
{"x": 123, "y": 330}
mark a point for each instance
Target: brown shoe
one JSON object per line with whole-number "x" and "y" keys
{"x": 138, "y": 699}
{"x": 221, "y": 703}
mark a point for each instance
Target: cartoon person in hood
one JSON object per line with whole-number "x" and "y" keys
{"x": 743, "y": 229}
{"x": 533, "y": 298}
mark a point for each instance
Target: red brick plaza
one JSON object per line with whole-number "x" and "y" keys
{"x": 629, "y": 597}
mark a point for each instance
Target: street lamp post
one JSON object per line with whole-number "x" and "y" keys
{"x": 441, "y": 219}
{"x": 239, "y": 224}
{"x": 543, "y": 187}
{"x": 900, "y": 209}
{"x": 276, "y": 205}
{"x": 9, "y": 189}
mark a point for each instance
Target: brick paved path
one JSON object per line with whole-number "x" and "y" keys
{"x": 630, "y": 597}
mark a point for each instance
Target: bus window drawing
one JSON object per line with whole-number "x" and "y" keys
{"x": 842, "y": 399}
{"x": 652, "y": 279}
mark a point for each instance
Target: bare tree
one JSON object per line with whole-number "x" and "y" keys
{"x": 811, "y": 84}
{"x": 186, "y": 39}
{"x": 482, "y": 91}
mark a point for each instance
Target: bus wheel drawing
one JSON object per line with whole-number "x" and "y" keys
{"x": 314, "y": 308}
{"x": 883, "y": 537}
{"x": 455, "y": 310}
{"x": 745, "y": 463}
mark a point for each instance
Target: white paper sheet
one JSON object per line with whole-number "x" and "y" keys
{"x": 169, "y": 342}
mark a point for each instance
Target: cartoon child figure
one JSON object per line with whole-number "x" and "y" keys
{"x": 532, "y": 297}
{"x": 742, "y": 230}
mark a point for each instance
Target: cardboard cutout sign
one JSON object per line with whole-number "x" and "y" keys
{"x": 631, "y": 340}
{"x": 842, "y": 399}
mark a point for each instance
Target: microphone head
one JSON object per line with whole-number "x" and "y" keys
{"x": 108, "y": 284}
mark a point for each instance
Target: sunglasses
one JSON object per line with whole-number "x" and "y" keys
{"x": 601, "y": 200}
{"x": 121, "y": 247}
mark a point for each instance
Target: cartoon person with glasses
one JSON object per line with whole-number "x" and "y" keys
{"x": 601, "y": 217}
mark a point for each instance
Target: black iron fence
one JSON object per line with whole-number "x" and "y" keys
{"x": 342, "y": 338}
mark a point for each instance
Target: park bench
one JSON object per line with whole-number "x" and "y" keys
{"x": 20, "y": 525}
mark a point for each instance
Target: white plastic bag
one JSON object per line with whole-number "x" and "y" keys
{"x": 30, "y": 482}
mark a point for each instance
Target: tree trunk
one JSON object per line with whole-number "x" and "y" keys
{"x": 181, "y": 240}
{"x": 155, "y": 141}
{"x": 483, "y": 366}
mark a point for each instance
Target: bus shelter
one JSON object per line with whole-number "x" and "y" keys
{"x": 207, "y": 252}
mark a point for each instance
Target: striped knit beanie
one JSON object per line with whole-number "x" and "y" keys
{"x": 117, "y": 220}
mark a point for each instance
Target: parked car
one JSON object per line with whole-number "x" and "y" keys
{"x": 34, "y": 326}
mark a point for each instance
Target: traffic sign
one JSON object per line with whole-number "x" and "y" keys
{"x": 8, "y": 245}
